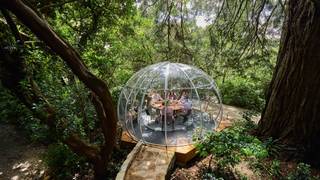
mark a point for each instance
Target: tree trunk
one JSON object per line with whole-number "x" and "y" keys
{"x": 292, "y": 112}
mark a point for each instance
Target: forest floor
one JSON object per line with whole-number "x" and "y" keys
{"x": 19, "y": 157}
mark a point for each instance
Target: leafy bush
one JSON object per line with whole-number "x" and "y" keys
{"x": 62, "y": 162}
{"x": 242, "y": 93}
{"x": 208, "y": 174}
{"x": 12, "y": 111}
{"x": 118, "y": 156}
{"x": 302, "y": 172}
{"x": 273, "y": 146}
{"x": 247, "y": 117}
{"x": 231, "y": 145}
{"x": 275, "y": 169}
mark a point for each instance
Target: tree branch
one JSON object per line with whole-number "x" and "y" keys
{"x": 44, "y": 32}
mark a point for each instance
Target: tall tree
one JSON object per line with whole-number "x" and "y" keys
{"x": 293, "y": 101}
{"x": 101, "y": 97}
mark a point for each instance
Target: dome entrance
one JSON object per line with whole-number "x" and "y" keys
{"x": 167, "y": 103}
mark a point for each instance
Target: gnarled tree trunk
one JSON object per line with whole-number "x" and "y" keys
{"x": 102, "y": 99}
{"x": 292, "y": 112}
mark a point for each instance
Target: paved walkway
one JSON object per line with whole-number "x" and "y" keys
{"x": 146, "y": 163}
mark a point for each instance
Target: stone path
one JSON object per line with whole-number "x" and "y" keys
{"x": 146, "y": 163}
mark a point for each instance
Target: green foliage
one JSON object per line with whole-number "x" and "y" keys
{"x": 235, "y": 144}
{"x": 273, "y": 146}
{"x": 231, "y": 145}
{"x": 62, "y": 162}
{"x": 12, "y": 111}
{"x": 302, "y": 172}
{"x": 240, "y": 92}
{"x": 272, "y": 168}
{"x": 10, "y": 108}
{"x": 117, "y": 158}
{"x": 275, "y": 169}
{"x": 247, "y": 117}
{"x": 209, "y": 174}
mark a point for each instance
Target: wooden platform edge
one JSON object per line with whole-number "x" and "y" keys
{"x": 126, "y": 164}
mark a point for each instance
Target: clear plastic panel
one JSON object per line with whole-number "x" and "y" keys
{"x": 211, "y": 108}
{"x": 186, "y": 117}
{"x": 131, "y": 113}
{"x": 151, "y": 119}
{"x": 198, "y": 77}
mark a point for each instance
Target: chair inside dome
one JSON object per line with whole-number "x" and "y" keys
{"x": 168, "y": 103}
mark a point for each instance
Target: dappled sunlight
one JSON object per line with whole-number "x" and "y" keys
{"x": 22, "y": 166}
{"x": 19, "y": 159}
{"x": 16, "y": 177}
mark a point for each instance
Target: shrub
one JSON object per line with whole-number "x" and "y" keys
{"x": 242, "y": 93}
{"x": 12, "y": 111}
{"x": 273, "y": 146}
{"x": 118, "y": 156}
{"x": 62, "y": 163}
{"x": 209, "y": 174}
{"x": 275, "y": 169}
{"x": 232, "y": 144}
{"x": 302, "y": 172}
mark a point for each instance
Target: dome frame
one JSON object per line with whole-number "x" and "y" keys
{"x": 149, "y": 109}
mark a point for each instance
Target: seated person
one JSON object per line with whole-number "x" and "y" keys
{"x": 132, "y": 115}
{"x": 147, "y": 101}
{"x": 156, "y": 97}
{"x": 172, "y": 96}
{"x": 184, "y": 95}
{"x": 168, "y": 111}
{"x": 187, "y": 107}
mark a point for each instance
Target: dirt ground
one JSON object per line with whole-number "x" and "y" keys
{"x": 19, "y": 158}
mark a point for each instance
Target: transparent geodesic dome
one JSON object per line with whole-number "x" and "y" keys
{"x": 168, "y": 103}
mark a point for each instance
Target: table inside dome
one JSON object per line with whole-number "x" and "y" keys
{"x": 176, "y": 105}
{"x": 181, "y": 134}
